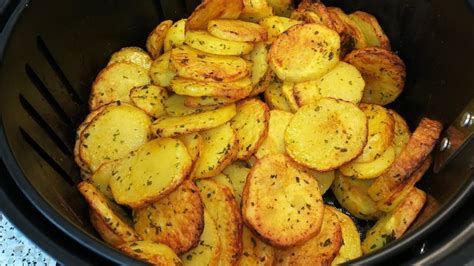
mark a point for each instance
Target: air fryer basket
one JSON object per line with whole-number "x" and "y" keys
{"x": 54, "y": 48}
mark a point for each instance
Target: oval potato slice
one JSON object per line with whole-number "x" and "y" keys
{"x": 236, "y": 90}
{"x": 274, "y": 142}
{"x": 287, "y": 90}
{"x": 304, "y": 53}
{"x": 255, "y": 251}
{"x": 213, "y": 9}
{"x": 103, "y": 229}
{"x": 255, "y": 10}
{"x": 101, "y": 178}
{"x": 326, "y": 134}
{"x": 134, "y": 55}
{"x": 351, "y": 36}
{"x": 161, "y": 71}
{"x": 274, "y": 97}
{"x": 292, "y": 213}
{"x": 260, "y": 63}
{"x": 276, "y": 25}
{"x": 194, "y": 142}
{"x": 401, "y": 132}
{"x": 175, "y": 106}
{"x": 151, "y": 252}
{"x": 351, "y": 247}
{"x": 371, "y": 169}
{"x": 150, "y": 98}
{"x": 237, "y": 172}
{"x": 205, "y": 42}
{"x": 368, "y": 24}
{"x": 156, "y": 39}
{"x": 176, "y": 35}
{"x": 237, "y": 30}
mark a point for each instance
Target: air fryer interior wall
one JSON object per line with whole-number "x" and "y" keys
{"x": 57, "y": 48}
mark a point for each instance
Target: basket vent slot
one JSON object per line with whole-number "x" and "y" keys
{"x": 6, "y": 9}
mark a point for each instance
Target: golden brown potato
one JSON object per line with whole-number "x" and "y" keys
{"x": 263, "y": 84}
{"x": 276, "y": 25}
{"x": 161, "y": 71}
{"x": 213, "y": 9}
{"x": 236, "y": 90}
{"x": 237, "y": 30}
{"x": 176, "y": 35}
{"x": 292, "y": 213}
{"x": 370, "y": 169}
{"x": 175, "y": 106}
{"x": 256, "y": 10}
{"x": 103, "y": 229}
{"x": 350, "y": 248}
{"x": 371, "y": 29}
{"x": 274, "y": 97}
{"x": 274, "y": 142}
{"x": 151, "y": 252}
{"x": 150, "y": 98}
{"x": 205, "y": 42}
{"x": 402, "y": 132}
{"x": 134, "y": 55}
{"x": 237, "y": 172}
{"x": 260, "y": 67}
{"x": 351, "y": 36}
{"x": 156, "y": 39}
{"x": 194, "y": 142}
{"x": 255, "y": 251}
{"x": 311, "y": 11}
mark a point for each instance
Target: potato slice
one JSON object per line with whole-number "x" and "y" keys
{"x": 176, "y": 35}
{"x": 150, "y": 98}
{"x": 256, "y": 10}
{"x": 194, "y": 142}
{"x": 264, "y": 83}
{"x": 419, "y": 146}
{"x": 134, "y": 55}
{"x": 213, "y": 9}
{"x": 175, "y": 220}
{"x": 237, "y": 172}
{"x": 311, "y": 11}
{"x": 251, "y": 126}
{"x": 101, "y": 178}
{"x": 115, "y": 82}
{"x": 343, "y": 82}
{"x": 172, "y": 126}
{"x": 352, "y": 194}
{"x": 383, "y": 71}
{"x": 394, "y": 224}
{"x": 197, "y": 65}
{"x": 371, "y": 29}
{"x": 208, "y": 250}
{"x": 151, "y": 252}
{"x": 352, "y": 37}
{"x": 237, "y": 30}
{"x": 306, "y": 52}
{"x": 319, "y": 250}
{"x": 114, "y": 217}
{"x": 371, "y": 169}
{"x": 236, "y": 90}
{"x": 205, "y": 42}
{"x": 281, "y": 7}
{"x": 288, "y": 93}
{"x": 161, "y": 72}
{"x": 112, "y": 134}
{"x": 156, "y": 39}
{"x": 220, "y": 148}
{"x": 327, "y": 134}
{"x": 255, "y": 251}
{"x": 222, "y": 207}
{"x": 324, "y": 179}
{"x": 292, "y": 213}
{"x": 274, "y": 142}
{"x": 350, "y": 248}
{"x": 260, "y": 63}
{"x": 204, "y": 101}
{"x": 103, "y": 229}
{"x": 175, "y": 106}
{"x": 146, "y": 181}
{"x": 401, "y": 132}
{"x": 276, "y": 25}
{"x": 224, "y": 180}
{"x": 274, "y": 97}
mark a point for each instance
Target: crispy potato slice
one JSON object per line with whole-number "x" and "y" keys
{"x": 208, "y": 250}
{"x": 350, "y": 248}
{"x": 383, "y": 71}
{"x": 401, "y": 132}
{"x": 151, "y": 252}
{"x": 256, "y": 10}
{"x": 276, "y": 25}
{"x": 176, "y": 35}
{"x": 172, "y": 126}
{"x": 134, "y": 55}
{"x": 194, "y": 142}
{"x": 351, "y": 36}
{"x": 287, "y": 90}
{"x": 115, "y": 82}
{"x": 101, "y": 178}
{"x": 371, "y": 29}
{"x": 371, "y": 169}
{"x": 150, "y": 98}
{"x": 156, "y": 38}
{"x": 281, "y": 7}
{"x": 289, "y": 215}
{"x": 236, "y": 90}
{"x": 112, "y": 134}
{"x": 343, "y": 82}
{"x": 193, "y": 64}
{"x": 274, "y": 97}
{"x": 175, "y": 106}
{"x": 237, "y": 30}
{"x": 146, "y": 181}
{"x": 205, "y": 42}
{"x": 324, "y": 179}
{"x": 213, "y": 9}
{"x": 205, "y": 101}
{"x": 326, "y": 134}
{"x": 103, "y": 229}
{"x": 237, "y": 172}
{"x": 274, "y": 142}
{"x": 175, "y": 220}
{"x": 161, "y": 71}
{"x": 220, "y": 148}
{"x": 352, "y": 194}
{"x": 222, "y": 207}
{"x": 255, "y": 251}
{"x": 311, "y": 11}
{"x": 114, "y": 217}
{"x": 419, "y": 146}
{"x": 394, "y": 224}
{"x": 260, "y": 63}
{"x": 306, "y": 52}
{"x": 251, "y": 126}
{"x": 319, "y": 250}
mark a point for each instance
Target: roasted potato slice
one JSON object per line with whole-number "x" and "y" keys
{"x": 172, "y": 126}
{"x": 193, "y": 64}
{"x": 115, "y": 82}
{"x": 260, "y": 63}
{"x": 288, "y": 93}
{"x": 134, "y": 55}
{"x": 401, "y": 132}
{"x": 219, "y": 149}
{"x": 274, "y": 97}
{"x": 306, "y": 52}
{"x": 237, "y": 172}
{"x": 274, "y": 142}
{"x": 319, "y": 250}
{"x": 276, "y": 25}
{"x": 256, "y": 10}
{"x": 351, "y": 36}
{"x": 176, "y": 35}
{"x": 281, "y": 7}
{"x": 150, "y": 98}
{"x": 264, "y": 83}
{"x": 327, "y": 134}
{"x": 371, "y": 29}
{"x": 324, "y": 179}
{"x": 289, "y": 215}
{"x": 350, "y": 248}
{"x": 236, "y": 90}
{"x": 222, "y": 207}
{"x": 194, "y": 142}
{"x": 144, "y": 181}
{"x": 156, "y": 39}
{"x": 255, "y": 251}
{"x": 161, "y": 71}
{"x": 251, "y": 126}
{"x": 103, "y": 229}
{"x": 213, "y": 9}
{"x": 101, "y": 178}
{"x": 151, "y": 252}
{"x": 177, "y": 220}
{"x": 419, "y": 146}
{"x": 371, "y": 169}
{"x": 383, "y": 71}
{"x": 175, "y": 106}
{"x": 311, "y": 11}
{"x": 343, "y": 82}
{"x": 205, "y": 42}
{"x": 237, "y": 30}
{"x": 224, "y": 180}
{"x": 205, "y": 101}
{"x": 392, "y": 225}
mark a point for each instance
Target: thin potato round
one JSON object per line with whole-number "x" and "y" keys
{"x": 255, "y": 251}
{"x": 237, "y": 172}
{"x": 304, "y": 53}
{"x": 156, "y": 39}
{"x": 237, "y": 30}
{"x": 175, "y": 220}
{"x": 251, "y": 126}
{"x": 224, "y": 180}
{"x": 350, "y": 248}
{"x": 151, "y": 252}
{"x": 276, "y": 25}
{"x": 282, "y": 203}
{"x": 176, "y": 35}
{"x": 101, "y": 178}
{"x": 326, "y": 134}
{"x": 205, "y": 42}
{"x": 288, "y": 93}
{"x": 351, "y": 36}
{"x": 194, "y": 142}
{"x": 383, "y": 71}
{"x": 134, "y": 55}
{"x": 401, "y": 132}
{"x": 371, "y": 169}
{"x": 175, "y": 106}
{"x": 368, "y": 24}
{"x": 161, "y": 71}
{"x": 147, "y": 181}
{"x": 274, "y": 97}
{"x": 255, "y": 10}
{"x": 263, "y": 84}
{"x": 150, "y": 98}
{"x": 172, "y": 126}
{"x": 205, "y": 101}
{"x": 236, "y": 90}
{"x": 213, "y": 9}
{"x": 260, "y": 63}
{"x": 274, "y": 142}
{"x": 103, "y": 229}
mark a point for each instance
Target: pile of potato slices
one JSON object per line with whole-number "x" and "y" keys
{"x": 216, "y": 145}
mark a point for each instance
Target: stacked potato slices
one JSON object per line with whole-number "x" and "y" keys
{"x": 216, "y": 144}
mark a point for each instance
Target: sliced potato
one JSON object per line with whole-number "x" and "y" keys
{"x": 151, "y": 252}
{"x": 194, "y": 142}
{"x": 274, "y": 142}
{"x": 306, "y": 52}
{"x": 383, "y": 71}
{"x": 134, "y": 55}
{"x": 350, "y": 248}
{"x": 237, "y": 30}
{"x": 371, "y": 29}
{"x": 255, "y": 251}
{"x": 327, "y": 134}
{"x": 222, "y": 207}
{"x": 281, "y": 7}
{"x": 276, "y": 25}
{"x": 251, "y": 126}
{"x": 401, "y": 132}
{"x": 176, "y": 35}
{"x": 371, "y": 169}
{"x": 264, "y": 83}
{"x": 352, "y": 37}
{"x": 172, "y": 126}
{"x": 260, "y": 63}
{"x": 101, "y": 178}
{"x": 292, "y": 213}
{"x": 324, "y": 179}
{"x": 213, "y": 9}
{"x": 274, "y": 97}
{"x": 161, "y": 71}
{"x": 156, "y": 39}
{"x": 237, "y": 172}
{"x": 150, "y": 98}
{"x": 224, "y": 180}
{"x": 115, "y": 82}
{"x": 197, "y": 65}
{"x": 145, "y": 181}
{"x": 219, "y": 149}
{"x": 205, "y": 42}
{"x": 175, "y": 106}
{"x": 236, "y": 90}
{"x": 256, "y": 10}
{"x": 311, "y": 11}
{"x": 394, "y": 224}
{"x": 103, "y": 229}
{"x": 288, "y": 93}
{"x": 343, "y": 82}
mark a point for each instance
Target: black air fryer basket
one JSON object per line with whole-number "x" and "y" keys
{"x": 51, "y": 51}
